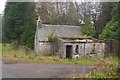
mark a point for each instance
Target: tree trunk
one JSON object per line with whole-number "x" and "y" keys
{"x": 16, "y": 43}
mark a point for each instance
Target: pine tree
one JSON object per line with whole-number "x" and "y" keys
{"x": 88, "y": 29}
{"x": 13, "y": 21}
{"x": 112, "y": 28}
{"x": 104, "y": 17}
{"x": 18, "y": 23}
{"x": 27, "y": 37}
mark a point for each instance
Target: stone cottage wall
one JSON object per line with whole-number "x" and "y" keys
{"x": 99, "y": 49}
{"x": 44, "y": 48}
{"x": 47, "y": 48}
{"x": 84, "y": 49}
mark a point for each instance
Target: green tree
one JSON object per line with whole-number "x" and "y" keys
{"x": 27, "y": 37}
{"x": 112, "y": 28}
{"x": 104, "y": 17}
{"x": 13, "y": 21}
{"x": 17, "y": 21}
{"x": 88, "y": 28}
{"x": 119, "y": 20}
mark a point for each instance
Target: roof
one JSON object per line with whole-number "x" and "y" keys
{"x": 58, "y": 30}
{"x": 75, "y": 40}
{"x": 80, "y": 40}
{"x": 76, "y": 37}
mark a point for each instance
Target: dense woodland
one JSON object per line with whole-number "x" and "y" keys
{"x": 100, "y": 19}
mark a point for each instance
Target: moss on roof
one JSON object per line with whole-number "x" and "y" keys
{"x": 74, "y": 37}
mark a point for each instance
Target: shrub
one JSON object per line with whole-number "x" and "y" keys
{"x": 51, "y": 37}
{"x": 105, "y": 69}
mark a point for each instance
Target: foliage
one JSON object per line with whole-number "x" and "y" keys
{"x": 88, "y": 28}
{"x": 111, "y": 30}
{"x": 27, "y": 38}
{"x": 104, "y": 16}
{"x": 51, "y": 37}
{"x": 13, "y": 21}
{"x": 105, "y": 69}
{"x": 19, "y": 23}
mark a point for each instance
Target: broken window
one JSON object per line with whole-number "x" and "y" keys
{"x": 93, "y": 50}
{"x": 76, "y": 50}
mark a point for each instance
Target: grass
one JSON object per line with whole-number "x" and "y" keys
{"x": 9, "y": 54}
{"x": 0, "y": 51}
{"x": 113, "y": 59}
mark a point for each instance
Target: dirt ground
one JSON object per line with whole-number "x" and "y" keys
{"x": 42, "y": 70}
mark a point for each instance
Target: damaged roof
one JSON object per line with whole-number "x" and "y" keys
{"x": 58, "y": 30}
{"x": 79, "y": 39}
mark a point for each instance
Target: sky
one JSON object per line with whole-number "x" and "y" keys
{"x": 2, "y": 5}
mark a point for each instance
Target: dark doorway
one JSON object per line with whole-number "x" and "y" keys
{"x": 69, "y": 51}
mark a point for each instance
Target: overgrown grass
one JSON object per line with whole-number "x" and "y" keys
{"x": 113, "y": 59}
{"x": 0, "y": 51}
{"x": 8, "y": 53}
{"x": 105, "y": 69}
{"x": 107, "y": 65}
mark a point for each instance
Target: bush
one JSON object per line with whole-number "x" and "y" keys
{"x": 105, "y": 69}
{"x": 51, "y": 37}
